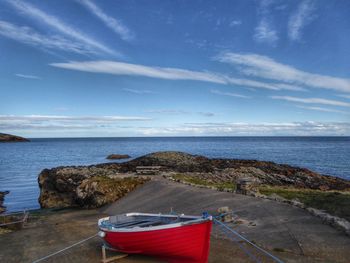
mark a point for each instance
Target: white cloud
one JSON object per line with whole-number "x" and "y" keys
{"x": 121, "y": 68}
{"x": 114, "y": 24}
{"x": 265, "y": 67}
{"x": 36, "y": 124}
{"x": 309, "y": 128}
{"x": 346, "y": 96}
{"x": 264, "y": 33}
{"x": 322, "y": 109}
{"x": 57, "y": 122}
{"x": 25, "y": 76}
{"x": 70, "y": 118}
{"x": 206, "y": 114}
{"x": 138, "y": 91}
{"x": 235, "y": 23}
{"x": 230, "y": 94}
{"x": 312, "y": 101}
{"x": 300, "y": 19}
{"x": 180, "y": 112}
{"x": 29, "y": 36}
{"x": 55, "y": 23}
{"x": 168, "y": 111}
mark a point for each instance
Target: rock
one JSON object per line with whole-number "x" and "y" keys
{"x": 2, "y": 197}
{"x": 98, "y": 191}
{"x": 231, "y": 170}
{"x": 11, "y": 138}
{"x": 80, "y": 186}
{"x": 118, "y": 156}
{"x": 83, "y": 185}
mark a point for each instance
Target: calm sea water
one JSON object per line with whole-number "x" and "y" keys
{"x": 20, "y": 163}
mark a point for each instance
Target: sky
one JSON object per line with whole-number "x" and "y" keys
{"x": 87, "y": 68}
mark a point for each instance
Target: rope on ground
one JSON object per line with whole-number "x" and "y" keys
{"x": 64, "y": 249}
{"x": 254, "y": 258}
{"x": 246, "y": 240}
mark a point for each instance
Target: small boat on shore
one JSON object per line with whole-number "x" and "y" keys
{"x": 173, "y": 238}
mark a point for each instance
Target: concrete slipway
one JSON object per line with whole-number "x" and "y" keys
{"x": 288, "y": 232}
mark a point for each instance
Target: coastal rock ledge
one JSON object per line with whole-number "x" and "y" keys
{"x": 11, "y": 138}
{"x": 97, "y": 185}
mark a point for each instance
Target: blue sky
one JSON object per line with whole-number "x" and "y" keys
{"x": 174, "y": 68}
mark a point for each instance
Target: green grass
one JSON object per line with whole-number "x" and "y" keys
{"x": 333, "y": 202}
{"x": 202, "y": 182}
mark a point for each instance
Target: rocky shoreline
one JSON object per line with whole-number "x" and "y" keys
{"x": 97, "y": 185}
{"x": 2, "y": 197}
{"x": 11, "y": 138}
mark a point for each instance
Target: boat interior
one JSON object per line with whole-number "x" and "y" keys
{"x": 131, "y": 221}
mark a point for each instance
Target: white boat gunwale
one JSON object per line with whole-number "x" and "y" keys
{"x": 196, "y": 220}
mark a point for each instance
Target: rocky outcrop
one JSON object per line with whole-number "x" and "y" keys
{"x": 118, "y": 156}
{"x": 96, "y": 185}
{"x": 11, "y": 138}
{"x": 228, "y": 170}
{"x": 87, "y": 187}
{"x": 2, "y": 197}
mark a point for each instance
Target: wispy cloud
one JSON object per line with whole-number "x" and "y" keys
{"x": 265, "y": 31}
{"x": 230, "y": 94}
{"x": 55, "y": 23}
{"x": 112, "y": 125}
{"x": 168, "y": 111}
{"x": 31, "y": 37}
{"x": 346, "y": 96}
{"x": 265, "y": 67}
{"x": 114, "y": 24}
{"x": 121, "y": 68}
{"x": 63, "y": 122}
{"x": 180, "y": 112}
{"x": 25, "y": 76}
{"x": 298, "y": 20}
{"x": 235, "y": 23}
{"x": 138, "y": 91}
{"x": 70, "y": 118}
{"x": 206, "y": 114}
{"x": 252, "y": 129}
{"x": 322, "y": 109}
{"x": 313, "y": 101}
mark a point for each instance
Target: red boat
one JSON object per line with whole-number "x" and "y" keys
{"x": 173, "y": 238}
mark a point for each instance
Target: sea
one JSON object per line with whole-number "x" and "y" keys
{"x": 21, "y": 163}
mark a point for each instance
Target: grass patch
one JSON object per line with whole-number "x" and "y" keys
{"x": 202, "y": 182}
{"x": 333, "y": 202}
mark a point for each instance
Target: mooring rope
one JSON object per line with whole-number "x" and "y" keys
{"x": 253, "y": 257}
{"x": 64, "y": 249}
{"x": 246, "y": 240}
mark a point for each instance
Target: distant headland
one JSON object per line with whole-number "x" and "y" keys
{"x": 11, "y": 138}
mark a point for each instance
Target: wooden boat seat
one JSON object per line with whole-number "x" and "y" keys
{"x": 122, "y": 221}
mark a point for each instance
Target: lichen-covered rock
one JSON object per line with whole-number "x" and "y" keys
{"x": 98, "y": 191}
{"x": 81, "y": 186}
{"x": 2, "y": 197}
{"x": 230, "y": 170}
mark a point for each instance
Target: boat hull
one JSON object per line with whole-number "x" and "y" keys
{"x": 187, "y": 243}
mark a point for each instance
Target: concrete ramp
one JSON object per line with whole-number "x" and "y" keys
{"x": 288, "y": 232}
